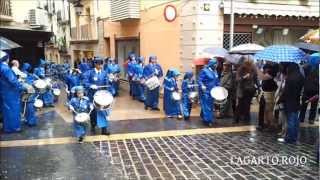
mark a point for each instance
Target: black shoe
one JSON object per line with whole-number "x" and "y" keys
{"x": 311, "y": 122}
{"x": 146, "y": 107}
{"x": 186, "y": 118}
{"x": 104, "y": 131}
{"x": 209, "y": 124}
{"x": 259, "y": 128}
{"x": 80, "y": 140}
{"x": 155, "y": 109}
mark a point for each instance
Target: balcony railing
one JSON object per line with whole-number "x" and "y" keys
{"x": 5, "y": 10}
{"x": 86, "y": 33}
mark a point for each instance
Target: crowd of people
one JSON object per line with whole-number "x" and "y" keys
{"x": 278, "y": 88}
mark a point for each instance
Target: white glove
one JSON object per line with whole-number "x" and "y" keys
{"x": 91, "y": 107}
{"x": 203, "y": 88}
{"x": 190, "y": 86}
{"x": 93, "y": 86}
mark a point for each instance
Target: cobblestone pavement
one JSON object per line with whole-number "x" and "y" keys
{"x": 207, "y": 156}
{"x": 210, "y": 157}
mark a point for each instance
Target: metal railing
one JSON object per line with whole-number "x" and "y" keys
{"x": 85, "y": 33}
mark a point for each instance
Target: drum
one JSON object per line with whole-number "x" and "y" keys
{"x": 193, "y": 95}
{"x": 102, "y": 100}
{"x": 152, "y": 83}
{"x": 219, "y": 94}
{"x": 176, "y": 96}
{"x": 38, "y": 103}
{"x": 29, "y": 91}
{"x": 40, "y": 85}
{"x": 56, "y": 91}
{"x": 82, "y": 117}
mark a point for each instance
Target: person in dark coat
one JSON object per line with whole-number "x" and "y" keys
{"x": 291, "y": 100}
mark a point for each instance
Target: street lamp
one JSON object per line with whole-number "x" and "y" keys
{"x": 78, "y": 7}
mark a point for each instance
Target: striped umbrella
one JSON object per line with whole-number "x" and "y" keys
{"x": 281, "y": 53}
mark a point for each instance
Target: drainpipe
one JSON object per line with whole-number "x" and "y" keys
{"x": 231, "y": 24}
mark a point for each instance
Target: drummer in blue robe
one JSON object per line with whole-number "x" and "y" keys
{"x": 138, "y": 87}
{"x": 152, "y": 96}
{"x": 84, "y": 66}
{"x": 171, "y": 106}
{"x": 208, "y": 79}
{"x": 47, "y": 96}
{"x": 30, "y": 113}
{"x": 98, "y": 79}
{"x": 113, "y": 68}
{"x": 10, "y": 92}
{"x": 130, "y": 71}
{"x": 80, "y": 104}
{"x": 188, "y": 85}
{"x": 72, "y": 79}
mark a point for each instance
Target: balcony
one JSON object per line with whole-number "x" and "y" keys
{"x": 125, "y": 9}
{"x": 86, "y": 33}
{"x": 5, "y": 10}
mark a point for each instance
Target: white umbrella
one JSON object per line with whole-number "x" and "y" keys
{"x": 246, "y": 49}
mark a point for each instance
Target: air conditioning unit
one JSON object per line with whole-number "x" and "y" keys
{"x": 38, "y": 18}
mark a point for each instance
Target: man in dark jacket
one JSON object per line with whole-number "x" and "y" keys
{"x": 311, "y": 90}
{"x": 291, "y": 100}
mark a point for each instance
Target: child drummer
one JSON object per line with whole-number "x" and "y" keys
{"x": 80, "y": 104}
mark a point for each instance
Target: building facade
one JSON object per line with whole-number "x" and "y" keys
{"x": 177, "y": 31}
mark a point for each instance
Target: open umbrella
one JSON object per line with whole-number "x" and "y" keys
{"x": 314, "y": 59}
{"x": 215, "y": 52}
{"x": 281, "y": 53}
{"x": 308, "y": 46}
{"x": 246, "y": 49}
{"x": 6, "y": 44}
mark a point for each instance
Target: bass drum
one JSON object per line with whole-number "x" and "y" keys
{"x": 56, "y": 91}
{"x": 219, "y": 94}
{"x": 102, "y": 100}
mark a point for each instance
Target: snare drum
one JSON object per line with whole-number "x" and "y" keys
{"x": 38, "y": 103}
{"x": 219, "y": 94}
{"x": 56, "y": 91}
{"x": 176, "y": 96}
{"x": 102, "y": 100}
{"x": 82, "y": 117}
{"x": 152, "y": 83}
{"x": 40, "y": 85}
{"x": 29, "y": 91}
{"x": 193, "y": 95}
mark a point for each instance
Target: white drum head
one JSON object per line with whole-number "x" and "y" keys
{"x": 40, "y": 84}
{"x": 48, "y": 81}
{"x": 56, "y": 92}
{"x": 176, "y": 96}
{"x": 219, "y": 93}
{"x": 82, "y": 117}
{"x": 193, "y": 94}
{"x": 103, "y": 98}
{"x": 38, "y": 103}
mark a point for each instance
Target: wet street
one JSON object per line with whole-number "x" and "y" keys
{"x": 154, "y": 147}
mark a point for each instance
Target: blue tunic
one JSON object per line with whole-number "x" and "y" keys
{"x": 209, "y": 79}
{"x": 80, "y": 106}
{"x": 171, "y": 107}
{"x": 138, "y": 88}
{"x": 10, "y": 91}
{"x": 152, "y": 96}
{"x": 99, "y": 79}
{"x": 187, "y": 87}
{"x": 31, "y": 118}
{"x": 113, "y": 69}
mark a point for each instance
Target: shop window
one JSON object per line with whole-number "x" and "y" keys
{"x": 238, "y": 38}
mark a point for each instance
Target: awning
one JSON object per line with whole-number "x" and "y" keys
{"x": 273, "y": 8}
{"x": 6, "y": 44}
{"x": 308, "y": 46}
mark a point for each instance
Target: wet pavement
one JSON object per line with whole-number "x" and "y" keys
{"x": 207, "y": 156}
{"x": 175, "y": 155}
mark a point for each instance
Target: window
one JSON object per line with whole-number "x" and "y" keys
{"x": 238, "y": 38}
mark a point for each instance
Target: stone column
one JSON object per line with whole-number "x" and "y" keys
{"x": 201, "y": 27}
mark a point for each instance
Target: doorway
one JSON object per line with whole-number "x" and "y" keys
{"x": 123, "y": 48}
